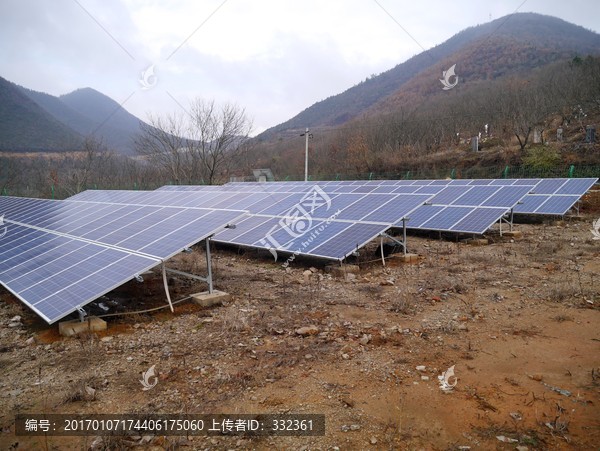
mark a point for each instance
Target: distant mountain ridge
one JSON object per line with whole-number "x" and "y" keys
{"x": 27, "y": 126}
{"x": 36, "y": 121}
{"x": 505, "y": 46}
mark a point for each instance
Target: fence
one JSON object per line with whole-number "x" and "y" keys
{"x": 495, "y": 172}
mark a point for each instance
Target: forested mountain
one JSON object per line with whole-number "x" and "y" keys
{"x": 36, "y": 121}
{"x": 26, "y": 126}
{"x": 506, "y": 46}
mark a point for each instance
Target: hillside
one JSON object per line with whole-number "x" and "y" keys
{"x": 36, "y": 121}
{"x": 26, "y": 126}
{"x": 506, "y": 46}
{"x": 109, "y": 119}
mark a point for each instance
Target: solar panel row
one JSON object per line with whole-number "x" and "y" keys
{"x": 530, "y": 204}
{"x": 344, "y": 221}
{"x": 57, "y": 256}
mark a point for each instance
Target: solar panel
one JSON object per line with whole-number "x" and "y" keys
{"x": 554, "y": 196}
{"x": 56, "y": 275}
{"x": 57, "y": 256}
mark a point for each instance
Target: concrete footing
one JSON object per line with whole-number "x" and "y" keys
{"x": 341, "y": 271}
{"x": 476, "y": 241}
{"x": 406, "y": 258}
{"x": 515, "y": 234}
{"x": 206, "y": 299}
{"x": 74, "y": 327}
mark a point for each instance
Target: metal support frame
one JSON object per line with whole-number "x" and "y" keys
{"x": 164, "y": 274}
{"x": 208, "y": 279}
{"x": 508, "y": 221}
{"x": 82, "y": 314}
{"x": 401, "y": 243}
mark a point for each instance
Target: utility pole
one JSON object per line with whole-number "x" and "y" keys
{"x": 307, "y": 135}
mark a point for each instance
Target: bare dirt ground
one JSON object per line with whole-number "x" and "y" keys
{"x": 519, "y": 319}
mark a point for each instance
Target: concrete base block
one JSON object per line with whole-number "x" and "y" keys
{"x": 408, "y": 258}
{"x": 476, "y": 241}
{"x": 341, "y": 271}
{"x": 515, "y": 234}
{"x": 74, "y": 327}
{"x": 206, "y": 299}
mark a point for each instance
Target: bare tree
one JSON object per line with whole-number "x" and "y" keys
{"x": 162, "y": 143}
{"x": 85, "y": 168}
{"x": 200, "y": 144}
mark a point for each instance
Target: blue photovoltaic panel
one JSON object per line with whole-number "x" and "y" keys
{"x": 507, "y": 196}
{"x": 449, "y": 195}
{"x": 242, "y": 226}
{"x": 364, "y": 206}
{"x": 557, "y": 205}
{"x": 548, "y": 186}
{"x": 554, "y": 196}
{"x": 446, "y": 219}
{"x": 396, "y": 209}
{"x": 253, "y": 235}
{"x": 350, "y": 240}
{"x": 530, "y": 203}
{"x": 479, "y": 220}
{"x": 57, "y": 256}
{"x": 475, "y": 196}
{"x": 55, "y": 275}
{"x": 576, "y": 186}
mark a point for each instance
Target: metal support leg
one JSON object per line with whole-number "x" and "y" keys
{"x": 404, "y": 234}
{"x": 209, "y": 266}
{"x": 381, "y": 246}
{"x": 512, "y": 215}
{"x": 164, "y": 273}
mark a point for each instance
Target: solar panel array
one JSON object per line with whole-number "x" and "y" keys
{"x": 465, "y": 207}
{"x": 57, "y": 256}
{"x": 310, "y": 222}
{"x": 548, "y": 196}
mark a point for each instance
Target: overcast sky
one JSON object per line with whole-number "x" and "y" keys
{"x": 272, "y": 57}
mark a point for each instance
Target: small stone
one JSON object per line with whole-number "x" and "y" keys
{"x": 345, "y": 428}
{"x": 424, "y": 378}
{"x": 106, "y": 339}
{"x": 307, "y": 330}
{"x": 365, "y": 339}
{"x": 354, "y": 427}
{"x": 307, "y": 274}
{"x": 421, "y": 368}
{"x": 536, "y": 377}
{"x": 373, "y": 441}
{"x": 308, "y": 356}
{"x": 91, "y": 392}
{"x": 347, "y": 401}
{"x": 129, "y": 359}
{"x": 15, "y": 319}
{"x": 345, "y": 356}
{"x": 30, "y": 341}
{"x": 387, "y": 283}
{"x": 463, "y": 326}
